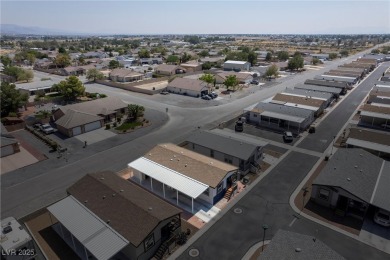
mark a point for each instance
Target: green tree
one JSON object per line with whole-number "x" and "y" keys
{"x": 61, "y": 50}
{"x": 70, "y": 88}
{"x": 239, "y": 56}
{"x": 295, "y": 62}
{"x": 62, "y": 60}
{"x": 283, "y": 55}
{"x": 268, "y": 57}
{"x": 134, "y": 111}
{"x": 30, "y": 58}
{"x": 172, "y": 59}
{"x": 6, "y": 61}
{"x": 81, "y": 60}
{"x": 208, "y": 78}
{"x": 144, "y": 53}
{"x": 252, "y": 58}
{"x": 273, "y": 70}
{"x": 344, "y": 53}
{"x": 185, "y": 57}
{"x": 315, "y": 61}
{"x": 11, "y": 99}
{"x": 231, "y": 82}
{"x": 25, "y": 75}
{"x": 94, "y": 74}
{"x": 206, "y": 66}
{"x": 113, "y": 64}
{"x": 332, "y": 56}
{"x": 375, "y": 51}
{"x": 204, "y": 53}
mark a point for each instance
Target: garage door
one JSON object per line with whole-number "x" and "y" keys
{"x": 7, "y": 150}
{"x": 92, "y": 126}
{"x": 76, "y": 130}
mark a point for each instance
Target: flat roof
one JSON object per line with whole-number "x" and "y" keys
{"x": 380, "y": 197}
{"x": 373, "y": 114}
{"x": 97, "y": 236}
{"x": 17, "y": 237}
{"x": 169, "y": 177}
{"x": 368, "y": 145}
{"x": 235, "y": 62}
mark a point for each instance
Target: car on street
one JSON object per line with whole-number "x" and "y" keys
{"x": 206, "y": 97}
{"x": 288, "y": 136}
{"x": 46, "y": 128}
{"x": 239, "y": 127}
{"x": 213, "y": 95}
{"x": 382, "y": 217}
{"x": 254, "y": 82}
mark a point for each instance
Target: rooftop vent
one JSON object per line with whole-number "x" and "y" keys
{"x": 85, "y": 201}
{"x": 150, "y": 208}
{"x": 150, "y": 154}
{"x": 185, "y": 165}
{"x": 7, "y": 229}
{"x": 101, "y": 178}
{"x": 171, "y": 159}
{"x": 181, "y": 152}
{"x": 348, "y": 179}
{"x": 108, "y": 221}
{"x": 113, "y": 194}
{"x": 120, "y": 190}
{"x": 355, "y": 166}
{"x": 298, "y": 250}
{"x": 104, "y": 197}
{"x": 174, "y": 156}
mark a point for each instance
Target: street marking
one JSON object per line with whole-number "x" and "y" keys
{"x": 292, "y": 222}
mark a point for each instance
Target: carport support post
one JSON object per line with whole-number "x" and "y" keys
{"x": 151, "y": 183}
{"x": 86, "y": 254}
{"x": 177, "y": 197}
{"x": 192, "y": 201}
{"x": 164, "y": 190}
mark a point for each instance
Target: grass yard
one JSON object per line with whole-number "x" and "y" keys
{"x": 128, "y": 125}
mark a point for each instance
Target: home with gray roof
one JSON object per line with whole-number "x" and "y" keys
{"x": 329, "y": 83}
{"x": 228, "y": 148}
{"x": 236, "y": 65}
{"x": 9, "y": 144}
{"x": 375, "y": 116}
{"x": 280, "y": 117}
{"x": 352, "y": 181}
{"x": 336, "y": 92}
{"x": 72, "y": 120}
{"x": 169, "y": 70}
{"x": 107, "y": 217}
{"x": 325, "y": 96}
{"x": 291, "y": 245}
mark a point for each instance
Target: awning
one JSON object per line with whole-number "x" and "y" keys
{"x": 99, "y": 238}
{"x": 368, "y": 145}
{"x": 283, "y": 117}
{"x": 176, "y": 180}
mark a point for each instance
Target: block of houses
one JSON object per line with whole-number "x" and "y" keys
{"x": 374, "y": 141}
{"x": 280, "y": 117}
{"x": 9, "y": 144}
{"x": 107, "y": 217}
{"x": 241, "y": 153}
{"x": 243, "y": 78}
{"x": 188, "y": 87}
{"x": 72, "y": 120}
{"x": 169, "y": 70}
{"x": 151, "y": 61}
{"x": 125, "y": 75}
{"x": 352, "y": 181}
{"x": 349, "y": 80}
{"x": 236, "y": 65}
{"x": 307, "y": 102}
{"x": 344, "y": 73}
{"x": 285, "y": 244}
{"x": 374, "y": 116}
{"x": 379, "y": 96}
{"x": 187, "y": 174}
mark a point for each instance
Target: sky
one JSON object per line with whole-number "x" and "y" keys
{"x": 201, "y": 17}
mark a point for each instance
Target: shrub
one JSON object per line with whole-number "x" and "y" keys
{"x": 108, "y": 126}
{"x": 13, "y": 114}
{"x": 115, "y": 124}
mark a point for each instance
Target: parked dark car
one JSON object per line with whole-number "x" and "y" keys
{"x": 288, "y": 137}
{"x": 206, "y": 97}
{"x": 213, "y": 95}
{"x": 254, "y": 82}
{"x": 239, "y": 127}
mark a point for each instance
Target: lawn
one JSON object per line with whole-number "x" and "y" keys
{"x": 128, "y": 125}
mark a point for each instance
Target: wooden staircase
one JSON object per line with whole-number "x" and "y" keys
{"x": 229, "y": 192}
{"x": 161, "y": 251}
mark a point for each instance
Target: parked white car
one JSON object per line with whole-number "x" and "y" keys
{"x": 46, "y": 128}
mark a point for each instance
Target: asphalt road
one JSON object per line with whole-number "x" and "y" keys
{"x": 330, "y": 126}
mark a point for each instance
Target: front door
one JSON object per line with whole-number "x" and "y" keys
{"x": 342, "y": 203}
{"x": 165, "y": 233}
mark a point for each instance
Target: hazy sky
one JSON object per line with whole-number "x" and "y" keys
{"x": 185, "y": 17}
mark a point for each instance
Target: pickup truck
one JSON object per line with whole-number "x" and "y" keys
{"x": 46, "y": 128}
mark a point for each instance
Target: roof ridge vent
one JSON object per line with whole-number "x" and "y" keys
{"x": 104, "y": 197}
{"x": 298, "y": 250}
{"x": 348, "y": 179}
{"x": 120, "y": 190}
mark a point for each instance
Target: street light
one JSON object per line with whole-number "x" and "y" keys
{"x": 334, "y": 139}
{"x": 265, "y": 227}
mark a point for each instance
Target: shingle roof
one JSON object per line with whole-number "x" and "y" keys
{"x": 167, "y": 68}
{"x": 124, "y": 73}
{"x": 133, "y": 212}
{"x": 101, "y": 106}
{"x": 370, "y": 135}
{"x": 239, "y": 75}
{"x": 284, "y": 245}
{"x": 309, "y": 93}
{"x": 320, "y": 88}
{"x": 196, "y": 166}
{"x": 353, "y": 170}
{"x": 298, "y": 100}
{"x": 189, "y": 84}
{"x": 226, "y": 145}
{"x": 73, "y": 118}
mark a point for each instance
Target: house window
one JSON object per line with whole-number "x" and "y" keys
{"x": 212, "y": 153}
{"x": 324, "y": 194}
{"x": 219, "y": 187}
{"x": 149, "y": 242}
{"x": 254, "y": 115}
{"x": 228, "y": 159}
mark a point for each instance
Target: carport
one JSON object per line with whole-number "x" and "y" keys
{"x": 170, "y": 178}
{"x": 272, "y": 116}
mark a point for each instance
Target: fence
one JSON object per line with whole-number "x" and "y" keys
{"x": 133, "y": 86}
{"x": 11, "y": 128}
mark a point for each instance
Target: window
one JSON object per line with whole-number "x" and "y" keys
{"x": 324, "y": 194}
{"x": 219, "y": 187}
{"x": 212, "y": 153}
{"x": 254, "y": 115}
{"x": 149, "y": 242}
{"x": 228, "y": 159}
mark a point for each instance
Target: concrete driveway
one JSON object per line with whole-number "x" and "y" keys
{"x": 375, "y": 235}
{"x": 95, "y": 136}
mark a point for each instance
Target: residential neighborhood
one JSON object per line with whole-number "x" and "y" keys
{"x": 158, "y": 144}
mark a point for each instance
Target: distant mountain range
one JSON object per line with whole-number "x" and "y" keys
{"x": 32, "y": 30}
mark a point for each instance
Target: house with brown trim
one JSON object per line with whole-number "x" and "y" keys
{"x": 107, "y": 217}
{"x": 188, "y": 87}
{"x": 243, "y": 78}
{"x": 308, "y": 102}
{"x": 192, "y": 66}
{"x": 169, "y": 70}
{"x": 125, "y": 75}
